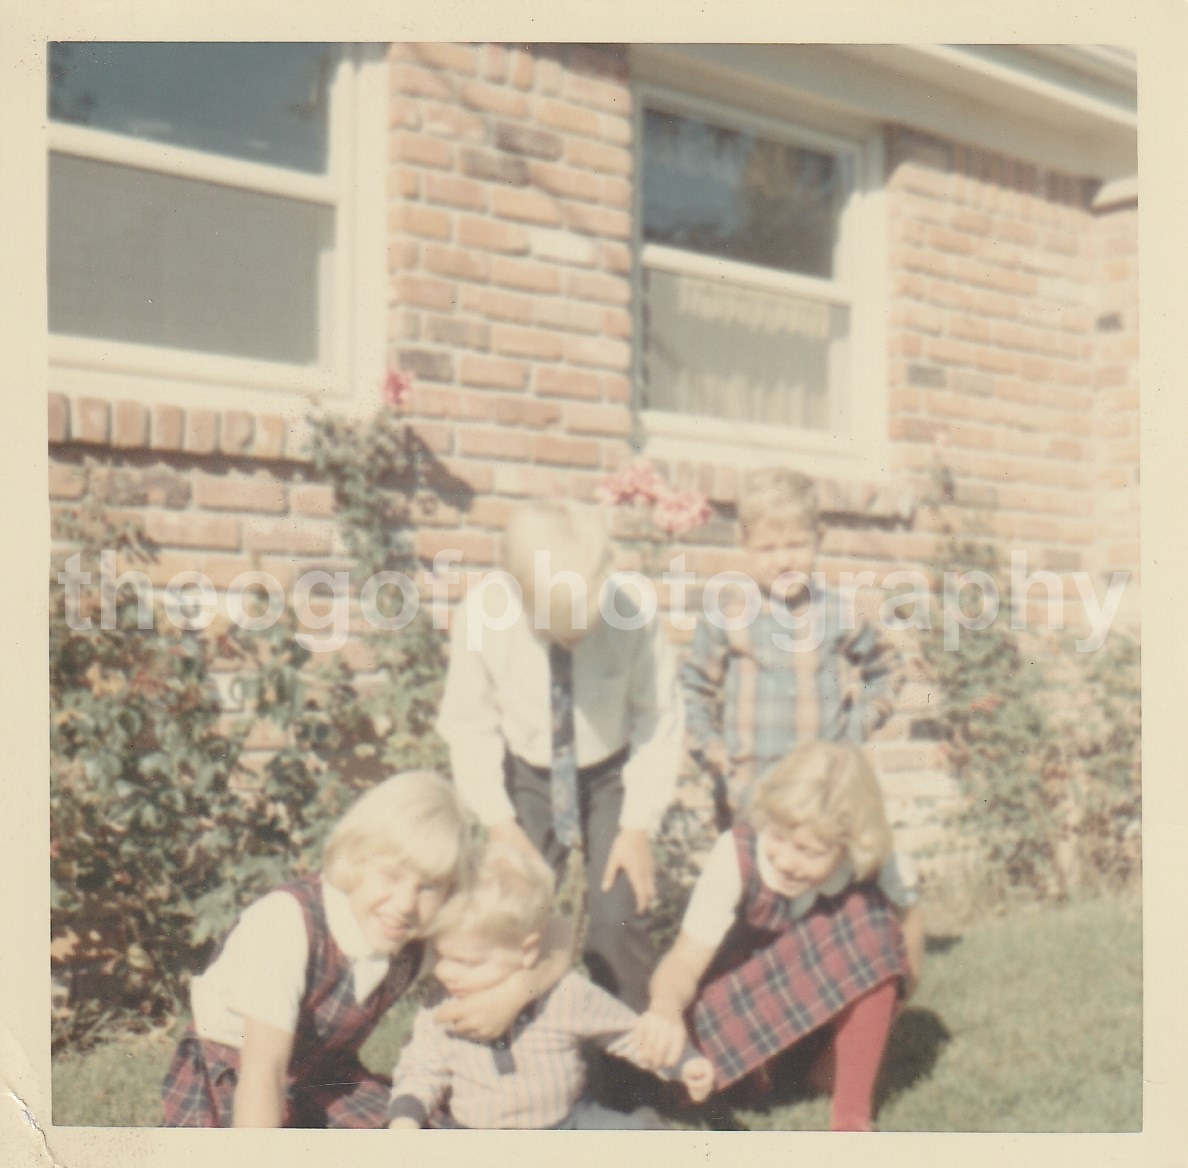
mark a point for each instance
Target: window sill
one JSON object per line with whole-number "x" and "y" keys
{"x": 748, "y": 445}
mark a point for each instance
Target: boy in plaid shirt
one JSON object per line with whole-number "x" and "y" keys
{"x": 803, "y": 669}
{"x": 533, "y": 1076}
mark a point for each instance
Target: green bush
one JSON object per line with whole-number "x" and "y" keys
{"x": 161, "y": 831}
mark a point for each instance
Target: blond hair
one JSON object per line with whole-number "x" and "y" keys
{"x": 577, "y": 544}
{"x": 414, "y": 818}
{"x": 777, "y": 494}
{"x": 832, "y": 789}
{"x": 509, "y": 899}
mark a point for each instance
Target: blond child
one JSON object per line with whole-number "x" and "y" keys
{"x": 804, "y": 668}
{"x": 310, "y": 968}
{"x": 566, "y": 728}
{"x": 800, "y": 920}
{"x": 533, "y": 1076}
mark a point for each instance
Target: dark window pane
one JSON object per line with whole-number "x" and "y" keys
{"x": 737, "y": 196}
{"x": 152, "y": 259}
{"x": 259, "y": 102}
{"x": 749, "y": 354}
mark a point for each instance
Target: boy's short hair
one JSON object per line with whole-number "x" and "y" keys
{"x": 831, "y": 788}
{"x": 509, "y": 899}
{"x": 415, "y": 818}
{"x": 578, "y": 545}
{"x": 778, "y": 493}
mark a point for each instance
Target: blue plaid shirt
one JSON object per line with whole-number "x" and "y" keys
{"x": 764, "y": 689}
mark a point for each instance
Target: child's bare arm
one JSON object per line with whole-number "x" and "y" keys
{"x": 488, "y": 1014}
{"x": 263, "y": 1066}
{"x": 660, "y": 1034}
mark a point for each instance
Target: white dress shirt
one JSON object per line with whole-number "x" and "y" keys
{"x": 625, "y": 694}
{"x": 260, "y": 973}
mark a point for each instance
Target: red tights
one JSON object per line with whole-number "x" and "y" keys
{"x": 859, "y": 1038}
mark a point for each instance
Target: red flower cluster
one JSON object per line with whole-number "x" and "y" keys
{"x": 674, "y": 513}
{"x": 397, "y": 387}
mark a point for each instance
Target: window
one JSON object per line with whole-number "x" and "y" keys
{"x": 203, "y": 208}
{"x": 746, "y": 305}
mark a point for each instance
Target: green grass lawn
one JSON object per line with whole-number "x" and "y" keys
{"x": 1032, "y": 1023}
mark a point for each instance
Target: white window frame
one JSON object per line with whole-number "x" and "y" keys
{"x": 352, "y": 278}
{"x": 859, "y": 282}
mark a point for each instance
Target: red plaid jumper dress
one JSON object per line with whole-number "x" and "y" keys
{"x": 778, "y": 977}
{"x": 327, "y": 1084}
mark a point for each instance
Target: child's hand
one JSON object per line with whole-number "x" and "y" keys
{"x": 485, "y": 1014}
{"x": 698, "y": 1076}
{"x": 631, "y": 853}
{"x": 659, "y": 1039}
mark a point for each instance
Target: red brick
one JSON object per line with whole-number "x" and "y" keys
{"x": 129, "y": 425}
{"x": 201, "y": 431}
{"x": 91, "y": 420}
{"x": 239, "y": 493}
{"x": 594, "y": 286}
{"x": 615, "y": 129}
{"x": 455, "y": 192}
{"x": 423, "y": 151}
{"x": 497, "y": 304}
{"x": 549, "y": 76}
{"x": 185, "y": 529}
{"x": 492, "y": 442}
{"x": 564, "y": 115}
{"x": 617, "y": 323}
{"x": 420, "y": 82}
{"x": 599, "y": 419}
{"x": 426, "y": 292}
{"x": 436, "y": 435}
{"x": 529, "y": 480}
{"x": 491, "y": 235}
{"x": 616, "y": 387}
{"x": 490, "y": 512}
{"x": 271, "y": 432}
{"x": 478, "y": 476}
{"x": 403, "y": 255}
{"x": 459, "y": 263}
{"x": 449, "y": 121}
{"x": 566, "y": 451}
{"x": 447, "y": 56}
{"x": 617, "y": 258}
{"x": 493, "y": 372}
{"x": 428, "y": 510}
{"x": 599, "y": 351}
{"x": 459, "y": 332}
{"x": 491, "y": 167}
{"x": 567, "y": 383}
{"x": 617, "y": 192}
{"x": 566, "y": 181}
{"x": 495, "y": 99}
{"x": 426, "y": 222}
{"x": 526, "y": 411}
{"x": 527, "y": 206}
{"x": 916, "y": 429}
{"x": 66, "y": 482}
{"x": 222, "y": 571}
{"x": 477, "y": 547}
{"x": 528, "y": 141}
{"x": 313, "y": 499}
{"x": 520, "y": 342}
{"x": 235, "y": 434}
{"x": 301, "y": 537}
{"x": 168, "y": 427}
{"x": 598, "y": 157}
{"x": 523, "y": 69}
{"x": 571, "y": 316}
{"x": 495, "y": 62}
{"x": 58, "y": 418}
{"x": 436, "y": 402}
{"x": 599, "y": 221}
{"x": 524, "y": 274}
{"x": 602, "y": 95}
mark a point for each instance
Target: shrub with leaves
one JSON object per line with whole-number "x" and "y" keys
{"x": 162, "y": 828}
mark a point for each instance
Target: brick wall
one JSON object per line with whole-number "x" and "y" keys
{"x": 1012, "y": 358}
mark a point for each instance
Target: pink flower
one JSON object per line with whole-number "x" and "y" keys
{"x": 397, "y": 386}
{"x": 638, "y": 481}
{"x": 678, "y": 514}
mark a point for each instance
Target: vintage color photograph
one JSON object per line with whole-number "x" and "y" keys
{"x": 594, "y": 586}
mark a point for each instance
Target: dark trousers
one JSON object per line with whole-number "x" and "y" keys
{"x": 618, "y": 950}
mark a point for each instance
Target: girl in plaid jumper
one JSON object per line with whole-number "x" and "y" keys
{"x": 801, "y": 920}
{"x": 311, "y": 968}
